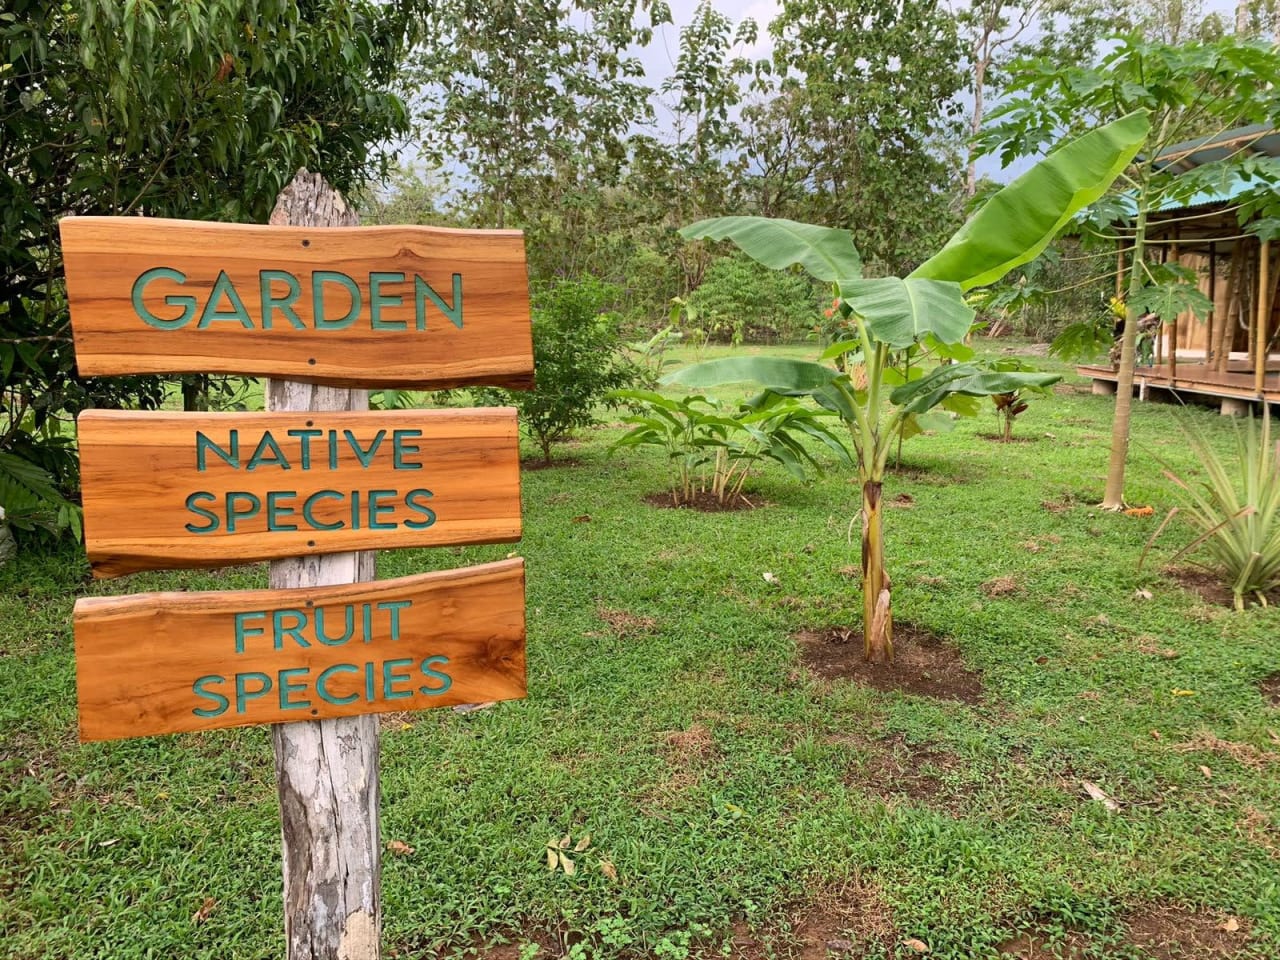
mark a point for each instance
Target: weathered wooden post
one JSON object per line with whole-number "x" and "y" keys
{"x": 315, "y": 484}
{"x": 326, "y": 770}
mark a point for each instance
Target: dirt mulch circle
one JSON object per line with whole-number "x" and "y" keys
{"x": 924, "y": 664}
{"x": 1210, "y": 588}
{"x": 705, "y": 503}
{"x": 1269, "y": 687}
{"x": 1159, "y": 931}
{"x": 1001, "y": 438}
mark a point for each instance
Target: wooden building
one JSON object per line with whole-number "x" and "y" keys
{"x": 1230, "y": 355}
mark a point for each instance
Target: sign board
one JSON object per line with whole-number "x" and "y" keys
{"x": 171, "y": 662}
{"x": 202, "y": 490}
{"x": 398, "y": 306}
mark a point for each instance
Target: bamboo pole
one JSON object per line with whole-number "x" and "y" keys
{"x": 326, "y": 770}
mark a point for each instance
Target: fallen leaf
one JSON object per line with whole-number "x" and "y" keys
{"x": 565, "y": 841}
{"x": 568, "y": 866}
{"x": 584, "y": 518}
{"x": 1155, "y": 734}
{"x": 771, "y": 578}
{"x": 609, "y": 870}
{"x": 1230, "y": 925}
{"x": 582, "y": 844}
{"x": 1042, "y": 660}
{"x": 473, "y": 707}
{"x": 1096, "y": 792}
{"x": 919, "y": 946}
{"x": 1143, "y": 594}
{"x": 400, "y": 848}
{"x": 1182, "y": 693}
{"x": 1208, "y": 774}
{"x": 553, "y": 854}
{"x": 205, "y": 911}
{"x": 1275, "y": 737}
{"x": 109, "y": 843}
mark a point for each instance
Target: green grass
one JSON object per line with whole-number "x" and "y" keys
{"x": 107, "y": 850}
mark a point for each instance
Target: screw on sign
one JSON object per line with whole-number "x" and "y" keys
{"x": 315, "y": 485}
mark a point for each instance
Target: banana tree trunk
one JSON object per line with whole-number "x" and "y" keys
{"x": 877, "y": 612}
{"x": 1113, "y": 497}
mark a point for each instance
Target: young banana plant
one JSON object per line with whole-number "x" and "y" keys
{"x": 893, "y": 313}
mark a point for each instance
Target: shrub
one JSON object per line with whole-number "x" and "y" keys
{"x": 740, "y": 300}
{"x": 577, "y": 361}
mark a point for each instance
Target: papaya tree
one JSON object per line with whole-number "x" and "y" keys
{"x": 890, "y": 314}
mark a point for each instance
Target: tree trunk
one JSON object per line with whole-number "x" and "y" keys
{"x": 326, "y": 770}
{"x": 877, "y": 610}
{"x": 1113, "y": 497}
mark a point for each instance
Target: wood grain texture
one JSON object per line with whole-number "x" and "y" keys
{"x": 140, "y": 658}
{"x": 106, "y": 256}
{"x": 148, "y": 505}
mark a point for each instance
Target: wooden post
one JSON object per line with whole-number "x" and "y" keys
{"x": 1264, "y": 289}
{"x": 1175, "y": 256}
{"x": 326, "y": 770}
{"x": 1213, "y": 305}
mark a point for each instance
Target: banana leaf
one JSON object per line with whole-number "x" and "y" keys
{"x": 827, "y": 253}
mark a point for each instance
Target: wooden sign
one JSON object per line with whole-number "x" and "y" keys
{"x": 202, "y": 490}
{"x": 398, "y": 306}
{"x": 171, "y": 662}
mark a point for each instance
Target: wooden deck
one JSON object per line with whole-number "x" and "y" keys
{"x": 1236, "y": 387}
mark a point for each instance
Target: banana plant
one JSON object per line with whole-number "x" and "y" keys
{"x": 895, "y": 313}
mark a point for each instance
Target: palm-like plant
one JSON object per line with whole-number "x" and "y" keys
{"x": 927, "y": 307}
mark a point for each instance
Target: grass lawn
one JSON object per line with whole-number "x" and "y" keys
{"x": 729, "y": 801}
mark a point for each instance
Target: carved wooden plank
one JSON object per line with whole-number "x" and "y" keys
{"x": 190, "y": 490}
{"x": 371, "y": 306}
{"x": 159, "y": 663}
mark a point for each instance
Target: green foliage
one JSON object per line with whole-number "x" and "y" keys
{"x": 713, "y": 450}
{"x": 202, "y": 111}
{"x": 741, "y": 300}
{"x": 577, "y": 360}
{"x": 1235, "y": 509}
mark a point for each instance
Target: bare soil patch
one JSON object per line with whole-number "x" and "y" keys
{"x": 705, "y": 502}
{"x": 895, "y": 769}
{"x": 1037, "y": 946}
{"x": 1269, "y": 687}
{"x": 1210, "y": 587}
{"x": 924, "y": 664}
{"x": 1166, "y": 932}
{"x": 537, "y": 463}
{"x": 852, "y": 922}
{"x": 625, "y": 624}
{"x": 1016, "y": 438}
{"x": 1000, "y": 587}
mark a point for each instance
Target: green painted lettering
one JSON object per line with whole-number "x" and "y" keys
{"x": 244, "y": 631}
{"x": 267, "y": 446}
{"x": 318, "y": 281}
{"x": 283, "y": 305}
{"x": 287, "y": 687}
{"x": 400, "y": 449}
{"x": 304, "y": 438}
{"x": 235, "y": 513}
{"x": 390, "y": 678}
{"x": 394, "y": 607}
{"x": 220, "y": 702}
{"x": 310, "y": 504}
{"x": 364, "y": 456}
{"x": 377, "y": 509}
{"x": 322, "y": 683}
{"x": 223, "y": 287}
{"x": 378, "y": 300}
{"x": 428, "y": 515}
{"x": 230, "y": 457}
{"x": 422, "y": 292}
{"x": 446, "y": 681}
{"x": 349, "y": 625}
{"x": 209, "y": 515}
{"x": 244, "y": 694}
{"x": 185, "y": 301}
{"x": 276, "y": 510}
{"x": 279, "y": 630}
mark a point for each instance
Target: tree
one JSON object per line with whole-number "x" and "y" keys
{"x": 924, "y": 310}
{"x": 1195, "y": 89}
{"x": 525, "y": 94}
{"x": 201, "y": 111}
{"x": 866, "y": 106}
